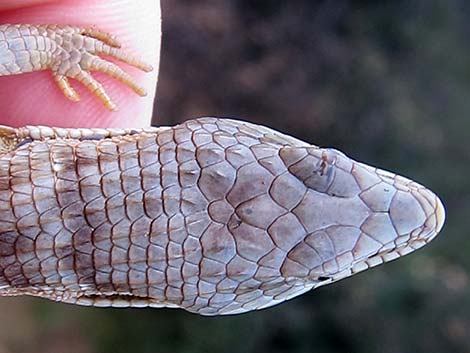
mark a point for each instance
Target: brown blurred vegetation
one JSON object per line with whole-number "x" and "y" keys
{"x": 386, "y": 82}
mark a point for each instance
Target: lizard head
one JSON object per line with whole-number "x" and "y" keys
{"x": 356, "y": 216}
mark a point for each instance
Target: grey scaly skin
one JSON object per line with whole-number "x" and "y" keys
{"x": 215, "y": 216}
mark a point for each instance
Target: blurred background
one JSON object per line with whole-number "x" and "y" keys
{"x": 386, "y": 82}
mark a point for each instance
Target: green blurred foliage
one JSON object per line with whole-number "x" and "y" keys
{"x": 386, "y": 82}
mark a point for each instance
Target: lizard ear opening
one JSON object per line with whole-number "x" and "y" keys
{"x": 8, "y": 139}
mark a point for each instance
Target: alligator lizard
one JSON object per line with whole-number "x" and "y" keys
{"x": 215, "y": 216}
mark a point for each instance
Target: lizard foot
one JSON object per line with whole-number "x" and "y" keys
{"x": 70, "y": 53}
{"x": 78, "y": 54}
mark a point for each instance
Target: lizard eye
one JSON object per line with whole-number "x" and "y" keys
{"x": 324, "y": 170}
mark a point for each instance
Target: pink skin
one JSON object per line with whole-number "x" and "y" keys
{"x": 34, "y": 98}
